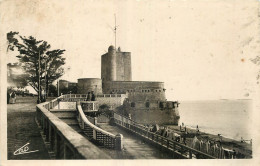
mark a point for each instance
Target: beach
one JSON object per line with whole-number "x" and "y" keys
{"x": 243, "y": 149}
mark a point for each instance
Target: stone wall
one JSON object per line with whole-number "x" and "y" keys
{"x": 155, "y": 116}
{"x": 104, "y": 67}
{"x": 116, "y": 66}
{"x": 86, "y": 85}
{"x": 108, "y": 65}
{"x": 139, "y": 92}
{"x": 66, "y": 105}
{"x": 123, "y": 66}
{"x": 112, "y": 102}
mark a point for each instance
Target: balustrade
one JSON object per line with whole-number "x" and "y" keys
{"x": 61, "y": 140}
{"x": 171, "y": 145}
{"x": 97, "y": 134}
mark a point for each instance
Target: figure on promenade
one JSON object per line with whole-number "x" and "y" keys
{"x": 13, "y": 98}
{"x": 93, "y": 97}
{"x": 89, "y": 96}
{"x": 8, "y": 97}
{"x": 198, "y": 130}
{"x": 184, "y": 138}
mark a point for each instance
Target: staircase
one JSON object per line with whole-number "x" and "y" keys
{"x": 69, "y": 116}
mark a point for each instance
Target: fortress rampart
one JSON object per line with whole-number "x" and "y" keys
{"x": 137, "y": 90}
{"x": 86, "y": 85}
{"x": 145, "y": 100}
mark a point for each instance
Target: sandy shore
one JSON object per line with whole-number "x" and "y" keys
{"x": 243, "y": 149}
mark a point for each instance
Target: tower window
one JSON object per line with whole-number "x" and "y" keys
{"x": 133, "y": 104}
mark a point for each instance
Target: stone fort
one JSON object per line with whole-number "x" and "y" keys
{"x": 144, "y": 101}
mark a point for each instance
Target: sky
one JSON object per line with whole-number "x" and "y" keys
{"x": 200, "y": 49}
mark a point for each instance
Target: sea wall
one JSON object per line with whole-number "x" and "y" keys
{"x": 155, "y": 116}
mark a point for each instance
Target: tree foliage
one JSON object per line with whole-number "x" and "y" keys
{"x": 30, "y": 51}
{"x": 16, "y": 79}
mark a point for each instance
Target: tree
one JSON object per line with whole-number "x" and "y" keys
{"x": 52, "y": 91}
{"x": 35, "y": 56}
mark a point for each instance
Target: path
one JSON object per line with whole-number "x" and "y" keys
{"x": 22, "y": 129}
{"x": 134, "y": 148}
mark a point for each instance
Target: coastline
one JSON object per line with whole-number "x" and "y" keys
{"x": 242, "y": 148}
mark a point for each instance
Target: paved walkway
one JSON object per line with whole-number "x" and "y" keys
{"x": 134, "y": 148}
{"x": 22, "y": 129}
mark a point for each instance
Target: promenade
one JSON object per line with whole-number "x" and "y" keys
{"x": 133, "y": 147}
{"x": 22, "y": 129}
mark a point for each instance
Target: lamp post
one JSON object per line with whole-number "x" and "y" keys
{"x": 39, "y": 80}
{"x": 58, "y": 87}
{"x": 45, "y": 89}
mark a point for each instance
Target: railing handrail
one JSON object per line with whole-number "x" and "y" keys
{"x": 85, "y": 95}
{"x": 82, "y": 147}
{"x": 88, "y": 101}
{"x": 85, "y": 119}
{"x": 161, "y": 137}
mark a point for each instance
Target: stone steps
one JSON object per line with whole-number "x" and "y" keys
{"x": 65, "y": 115}
{"x": 62, "y": 110}
{"x": 71, "y": 122}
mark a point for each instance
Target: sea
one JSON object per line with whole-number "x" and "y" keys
{"x": 230, "y": 118}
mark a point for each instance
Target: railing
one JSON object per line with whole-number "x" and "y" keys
{"x": 110, "y": 95}
{"x": 71, "y": 96}
{"x": 173, "y": 146}
{"x": 96, "y": 134}
{"x": 61, "y": 140}
{"x": 90, "y": 105}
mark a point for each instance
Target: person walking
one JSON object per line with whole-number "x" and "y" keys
{"x": 184, "y": 138}
{"x": 93, "y": 97}
{"x": 8, "y": 97}
{"x": 198, "y": 130}
{"x": 88, "y": 97}
{"x": 13, "y": 98}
